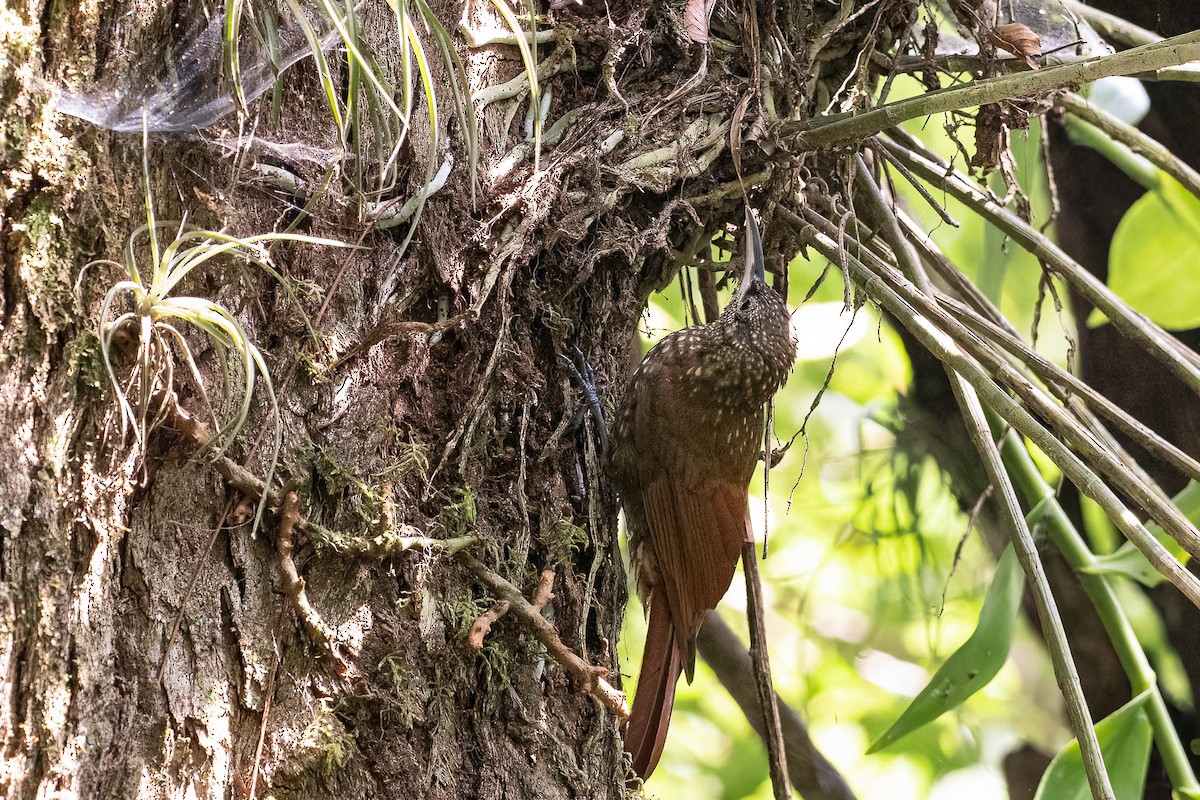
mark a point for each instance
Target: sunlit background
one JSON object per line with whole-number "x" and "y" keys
{"x": 864, "y": 596}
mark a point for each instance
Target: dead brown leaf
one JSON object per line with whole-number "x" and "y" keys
{"x": 1018, "y": 39}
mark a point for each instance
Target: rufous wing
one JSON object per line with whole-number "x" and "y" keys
{"x": 697, "y": 533}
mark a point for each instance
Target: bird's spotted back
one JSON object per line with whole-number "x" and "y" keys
{"x": 683, "y": 450}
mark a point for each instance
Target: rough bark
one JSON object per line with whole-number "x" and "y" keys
{"x": 472, "y": 429}
{"x": 469, "y": 432}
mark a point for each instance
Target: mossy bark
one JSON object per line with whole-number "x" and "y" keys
{"x": 107, "y": 548}
{"x": 100, "y": 541}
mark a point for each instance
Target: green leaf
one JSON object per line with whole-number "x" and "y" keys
{"x": 1153, "y": 258}
{"x": 1129, "y": 561}
{"x": 976, "y": 661}
{"x": 1124, "y": 738}
{"x": 529, "y": 58}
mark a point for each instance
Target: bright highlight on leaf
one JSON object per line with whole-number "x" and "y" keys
{"x": 976, "y": 662}
{"x": 1124, "y": 738}
{"x": 1154, "y": 260}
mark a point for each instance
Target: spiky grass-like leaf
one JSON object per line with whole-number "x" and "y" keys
{"x": 410, "y": 34}
{"x": 529, "y": 58}
{"x": 370, "y": 96}
{"x": 156, "y": 309}
{"x": 229, "y": 42}
{"x": 464, "y": 109}
{"x": 274, "y": 50}
{"x": 347, "y": 29}
{"x": 323, "y": 72}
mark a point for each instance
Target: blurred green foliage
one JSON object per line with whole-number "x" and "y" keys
{"x": 1163, "y": 229}
{"x": 865, "y": 599}
{"x": 874, "y": 577}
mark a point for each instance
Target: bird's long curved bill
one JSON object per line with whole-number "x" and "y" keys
{"x": 756, "y": 263}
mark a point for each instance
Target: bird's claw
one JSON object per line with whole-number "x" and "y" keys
{"x": 582, "y": 372}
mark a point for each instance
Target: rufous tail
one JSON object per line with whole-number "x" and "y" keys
{"x": 651, "y": 714}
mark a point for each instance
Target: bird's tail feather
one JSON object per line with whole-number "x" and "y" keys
{"x": 651, "y": 714}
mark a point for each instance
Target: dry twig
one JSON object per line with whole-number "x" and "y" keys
{"x": 387, "y": 330}
{"x": 293, "y": 586}
{"x": 388, "y": 543}
{"x": 814, "y": 777}
{"x": 484, "y": 623}
{"x": 590, "y": 678}
{"x": 772, "y": 730}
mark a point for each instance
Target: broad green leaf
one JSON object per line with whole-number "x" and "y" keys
{"x": 976, "y": 661}
{"x": 1129, "y": 561}
{"x": 1124, "y": 738}
{"x": 1152, "y": 263}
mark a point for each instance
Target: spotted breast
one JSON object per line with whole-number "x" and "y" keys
{"x": 684, "y": 447}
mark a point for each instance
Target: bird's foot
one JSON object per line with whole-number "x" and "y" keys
{"x": 579, "y": 367}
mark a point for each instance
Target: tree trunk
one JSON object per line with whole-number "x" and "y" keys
{"x": 145, "y": 655}
{"x": 473, "y": 431}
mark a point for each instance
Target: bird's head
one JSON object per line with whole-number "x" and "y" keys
{"x": 756, "y": 321}
{"x": 753, "y": 291}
